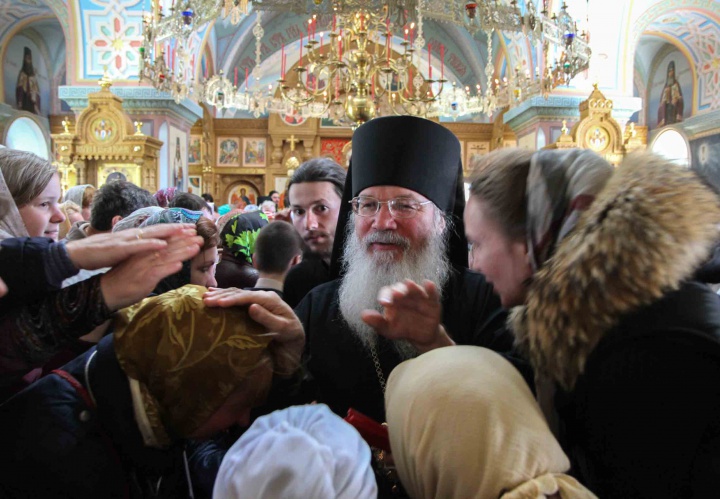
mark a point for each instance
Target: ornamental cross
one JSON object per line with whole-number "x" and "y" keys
{"x": 293, "y": 141}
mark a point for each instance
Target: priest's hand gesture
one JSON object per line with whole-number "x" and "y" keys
{"x": 269, "y": 310}
{"x": 411, "y": 312}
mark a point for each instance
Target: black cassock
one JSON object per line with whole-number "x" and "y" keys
{"x": 342, "y": 371}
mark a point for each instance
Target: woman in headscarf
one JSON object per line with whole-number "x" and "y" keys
{"x": 303, "y": 452}
{"x": 38, "y": 319}
{"x": 81, "y": 195}
{"x": 463, "y": 423}
{"x": 113, "y": 422}
{"x": 201, "y": 269}
{"x": 34, "y": 185}
{"x": 237, "y": 237}
{"x": 625, "y": 346}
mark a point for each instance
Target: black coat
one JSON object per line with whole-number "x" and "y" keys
{"x": 311, "y": 272}
{"x": 62, "y": 446}
{"x": 342, "y": 371}
{"x": 643, "y": 419}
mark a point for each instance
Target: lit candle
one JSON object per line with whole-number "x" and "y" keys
{"x": 321, "y": 42}
{"x": 284, "y": 65}
{"x": 246, "y": 78}
{"x": 334, "y": 22}
{"x": 301, "y": 44}
{"x": 429, "y": 61}
{"x": 282, "y": 62}
{"x": 235, "y": 79}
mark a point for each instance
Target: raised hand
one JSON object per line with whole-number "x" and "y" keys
{"x": 411, "y": 312}
{"x": 107, "y": 250}
{"x": 136, "y": 277}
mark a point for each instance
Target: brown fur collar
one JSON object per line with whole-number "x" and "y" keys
{"x": 648, "y": 229}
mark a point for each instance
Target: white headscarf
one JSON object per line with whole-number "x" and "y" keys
{"x": 464, "y": 424}
{"x": 76, "y": 193}
{"x": 11, "y": 223}
{"x": 303, "y": 452}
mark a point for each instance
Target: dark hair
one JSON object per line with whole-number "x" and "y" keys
{"x": 189, "y": 202}
{"x": 208, "y": 197}
{"x": 320, "y": 170}
{"x": 499, "y": 180}
{"x": 272, "y": 192}
{"x": 276, "y": 244}
{"x": 118, "y": 198}
{"x": 207, "y": 229}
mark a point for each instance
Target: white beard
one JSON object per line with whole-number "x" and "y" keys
{"x": 367, "y": 273}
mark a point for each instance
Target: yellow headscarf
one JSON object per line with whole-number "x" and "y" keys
{"x": 464, "y": 424}
{"x": 187, "y": 358}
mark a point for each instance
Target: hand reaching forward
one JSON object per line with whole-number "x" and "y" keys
{"x": 136, "y": 277}
{"x": 411, "y": 312}
{"x": 107, "y": 250}
{"x": 269, "y": 310}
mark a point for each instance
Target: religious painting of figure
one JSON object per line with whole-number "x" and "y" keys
{"x": 671, "y": 106}
{"x": 194, "y": 150}
{"x": 177, "y": 141}
{"x": 27, "y": 90}
{"x": 253, "y": 152}
{"x": 242, "y": 194}
{"x": 228, "y": 151}
{"x": 195, "y": 184}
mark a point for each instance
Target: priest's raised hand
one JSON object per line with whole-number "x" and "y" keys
{"x": 410, "y": 312}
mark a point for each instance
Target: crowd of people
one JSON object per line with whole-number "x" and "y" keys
{"x": 551, "y": 335}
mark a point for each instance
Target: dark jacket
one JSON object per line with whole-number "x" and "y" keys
{"x": 644, "y": 418}
{"x": 32, "y": 267}
{"x": 64, "y": 445}
{"x": 311, "y": 272}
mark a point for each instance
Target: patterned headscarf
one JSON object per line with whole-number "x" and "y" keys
{"x": 560, "y": 186}
{"x": 136, "y": 218}
{"x": 164, "y": 196}
{"x": 11, "y": 223}
{"x": 463, "y": 423}
{"x": 300, "y": 452}
{"x": 240, "y": 232}
{"x": 174, "y": 216}
{"x": 186, "y": 357}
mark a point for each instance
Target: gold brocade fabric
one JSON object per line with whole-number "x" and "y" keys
{"x": 188, "y": 358}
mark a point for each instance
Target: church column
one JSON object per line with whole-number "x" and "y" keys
{"x": 307, "y": 149}
{"x": 277, "y": 152}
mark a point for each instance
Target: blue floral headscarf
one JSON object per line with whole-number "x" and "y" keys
{"x": 174, "y": 216}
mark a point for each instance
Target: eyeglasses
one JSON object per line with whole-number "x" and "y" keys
{"x": 368, "y": 206}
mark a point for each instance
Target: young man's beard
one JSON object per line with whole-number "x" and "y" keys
{"x": 366, "y": 273}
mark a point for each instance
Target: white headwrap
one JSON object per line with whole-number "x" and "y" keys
{"x": 463, "y": 423}
{"x": 303, "y": 452}
{"x": 76, "y": 193}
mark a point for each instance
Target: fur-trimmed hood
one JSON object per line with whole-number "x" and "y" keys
{"x": 648, "y": 230}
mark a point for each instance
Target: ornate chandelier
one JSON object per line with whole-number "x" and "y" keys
{"x": 358, "y": 71}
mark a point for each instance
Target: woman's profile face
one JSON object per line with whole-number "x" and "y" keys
{"x": 504, "y": 262}
{"x": 42, "y": 216}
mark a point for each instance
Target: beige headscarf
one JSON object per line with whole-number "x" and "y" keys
{"x": 187, "y": 358}
{"x": 11, "y": 224}
{"x": 464, "y": 424}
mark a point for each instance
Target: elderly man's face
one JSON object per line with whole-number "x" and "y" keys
{"x": 416, "y": 230}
